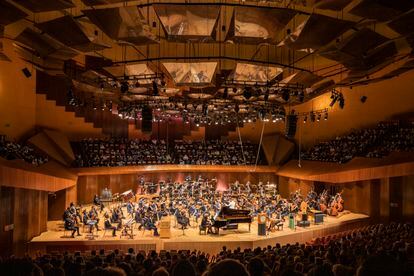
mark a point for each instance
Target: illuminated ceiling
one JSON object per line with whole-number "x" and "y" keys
{"x": 195, "y": 50}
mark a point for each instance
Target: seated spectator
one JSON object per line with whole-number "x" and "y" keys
{"x": 12, "y": 150}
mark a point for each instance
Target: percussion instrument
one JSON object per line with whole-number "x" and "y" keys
{"x": 126, "y": 196}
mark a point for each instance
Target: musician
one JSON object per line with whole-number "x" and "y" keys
{"x": 96, "y": 200}
{"x": 183, "y": 220}
{"x": 206, "y": 223}
{"x": 70, "y": 225}
{"x": 130, "y": 209}
{"x": 148, "y": 223}
{"x": 108, "y": 225}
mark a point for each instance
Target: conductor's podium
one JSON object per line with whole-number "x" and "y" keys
{"x": 165, "y": 228}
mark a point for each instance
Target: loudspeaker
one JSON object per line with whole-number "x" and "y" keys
{"x": 146, "y": 125}
{"x": 26, "y": 72}
{"x": 291, "y": 121}
{"x": 364, "y": 99}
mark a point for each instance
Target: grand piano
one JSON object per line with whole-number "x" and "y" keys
{"x": 229, "y": 218}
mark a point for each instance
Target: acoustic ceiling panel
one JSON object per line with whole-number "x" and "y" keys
{"x": 315, "y": 32}
{"x": 334, "y": 5}
{"x": 303, "y": 78}
{"x": 362, "y": 41}
{"x": 136, "y": 69}
{"x": 354, "y": 52}
{"x": 45, "y": 5}
{"x": 188, "y": 21}
{"x": 382, "y": 10}
{"x": 408, "y": 66}
{"x": 10, "y": 13}
{"x": 404, "y": 24}
{"x": 123, "y": 24}
{"x": 102, "y": 2}
{"x": 69, "y": 32}
{"x": 51, "y": 65}
{"x": 3, "y": 56}
{"x": 245, "y": 72}
{"x": 320, "y": 87}
{"x": 191, "y": 72}
{"x": 43, "y": 45}
{"x": 257, "y": 25}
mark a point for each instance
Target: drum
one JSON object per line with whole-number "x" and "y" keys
{"x": 126, "y": 196}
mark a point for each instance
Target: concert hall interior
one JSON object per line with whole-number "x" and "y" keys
{"x": 205, "y": 137}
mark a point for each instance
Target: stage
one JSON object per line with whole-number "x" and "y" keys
{"x": 54, "y": 240}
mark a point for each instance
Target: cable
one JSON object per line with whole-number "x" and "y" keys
{"x": 260, "y": 145}
{"x": 241, "y": 142}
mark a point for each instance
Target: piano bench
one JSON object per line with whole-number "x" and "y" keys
{"x": 280, "y": 225}
{"x": 202, "y": 229}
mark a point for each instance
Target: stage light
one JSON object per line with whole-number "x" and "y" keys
{"x": 247, "y": 93}
{"x": 326, "y": 116}
{"x": 301, "y": 96}
{"x": 225, "y": 93}
{"x": 312, "y": 117}
{"x": 236, "y": 108}
{"x": 334, "y": 98}
{"x": 124, "y": 87}
{"x": 341, "y": 101}
{"x": 319, "y": 117}
{"x": 305, "y": 119}
{"x": 154, "y": 88}
{"x": 285, "y": 94}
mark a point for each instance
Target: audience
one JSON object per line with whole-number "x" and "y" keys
{"x": 372, "y": 250}
{"x": 12, "y": 150}
{"x": 123, "y": 152}
{"x": 372, "y": 143}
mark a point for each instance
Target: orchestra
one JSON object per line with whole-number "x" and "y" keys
{"x": 198, "y": 201}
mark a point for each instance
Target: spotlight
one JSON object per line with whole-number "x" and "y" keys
{"x": 326, "y": 116}
{"x": 163, "y": 82}
{"x": 301, "y": 96}
{"x": 266, "y": 95}
{"x": 305, "y": 119}
{"x": 334, "y": 98}
{"x": 319, "y": 117}
{"x": 341, "y": 101}
{"x": 237, "y": 108}
{"x": 124, "y": 87}
{"x": 285, "y": 94}
{"x": 312, "y": 117}
{"x": 225, "y": 93}
{"x": 247, "y": 93}
{"x": 154, "y": 88}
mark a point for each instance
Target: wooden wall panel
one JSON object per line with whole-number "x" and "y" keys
{"x": 29, "y": 217}
{"x": 396, "y": 198}
{"x": 94, "y": 184}
{"x": 385, "y": 199}
{"x": 408, "y": 197}
{"x": 19, "y": 178}
{"x": 6, "y": 218}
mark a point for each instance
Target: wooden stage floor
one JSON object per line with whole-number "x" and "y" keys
{"x": 53, "y": 240}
